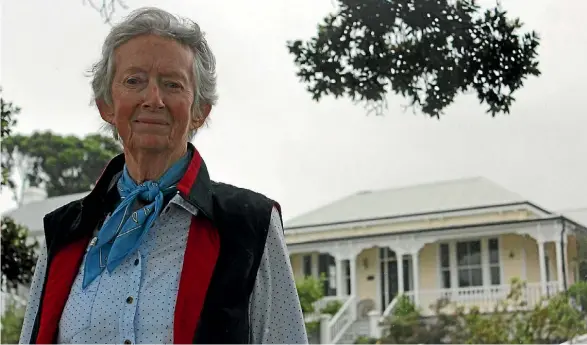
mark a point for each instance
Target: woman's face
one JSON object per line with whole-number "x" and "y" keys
{"x": 152, "y": 94}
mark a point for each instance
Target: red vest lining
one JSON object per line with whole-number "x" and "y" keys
{"x": 201, "y": 254}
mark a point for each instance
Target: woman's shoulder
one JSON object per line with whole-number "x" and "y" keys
{"x": 69, "y": 210}
{"x": 241, "y": 202}
{"x": 228, "y": 191}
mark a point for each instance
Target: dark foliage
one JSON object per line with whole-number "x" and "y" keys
{"x": 425, "y": 50}
{"x": 18, "y": 256}
{"x": 60, "y": 164}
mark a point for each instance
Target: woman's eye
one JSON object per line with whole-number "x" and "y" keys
{"x": 173, "y": 85}
{"x": 133, "y": 81}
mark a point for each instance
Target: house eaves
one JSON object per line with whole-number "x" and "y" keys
{"x": 543, "y": 213}
{"x": 453, "y": 228}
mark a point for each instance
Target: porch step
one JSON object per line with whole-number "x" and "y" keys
{"x": 357, "y": 329}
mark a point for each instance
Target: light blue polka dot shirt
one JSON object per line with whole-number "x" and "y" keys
{"x": 136, "y": 302}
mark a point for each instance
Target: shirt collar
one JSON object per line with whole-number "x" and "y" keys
{"x": 194, "y": 188}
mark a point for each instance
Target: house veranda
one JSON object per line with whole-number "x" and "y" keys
{"x": 467, "y": 255}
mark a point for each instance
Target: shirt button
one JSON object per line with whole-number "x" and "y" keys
{"x": 136, "y": 262}
{"x": 127, "y": 342}
{"x": 129, "y": 300}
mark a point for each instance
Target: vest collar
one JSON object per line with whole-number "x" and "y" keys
{"x": 195, "y": 187}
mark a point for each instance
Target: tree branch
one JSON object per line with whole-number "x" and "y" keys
{"x": 106, "y": 8}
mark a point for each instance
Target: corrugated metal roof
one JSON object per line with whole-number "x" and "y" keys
{"x": 393, "y": 202}
{"x": 31, "y": 215}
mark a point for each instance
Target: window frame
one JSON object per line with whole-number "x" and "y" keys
{"x": 469, "y": 267}
{"x": 486, "y": 263}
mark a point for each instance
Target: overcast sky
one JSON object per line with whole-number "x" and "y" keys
{"x": 268, "y": 135}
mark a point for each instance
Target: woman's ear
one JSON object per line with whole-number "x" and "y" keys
{"x": 200, "y": 120}
{"x": 106, "y": 111}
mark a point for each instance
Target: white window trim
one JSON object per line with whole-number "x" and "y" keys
{"x": 481, "y": 265}
{"x": 485, "y": 266}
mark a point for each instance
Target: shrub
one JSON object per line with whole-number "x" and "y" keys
{"x": 552, "y": 321}
{"x": 12, "y": 323}
{"x": 310, "y": 290}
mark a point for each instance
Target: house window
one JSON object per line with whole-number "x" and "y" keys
{"x": 469, "y": 263}
{"x": 445, "y": 265}
{"x": 324, "y": 268}
{"x": 494, "y": 269}
{"x": 307, "y": 265}
{"x": 470, "y": 270}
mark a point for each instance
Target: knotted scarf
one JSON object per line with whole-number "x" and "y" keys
{"x": 123, "y": 232}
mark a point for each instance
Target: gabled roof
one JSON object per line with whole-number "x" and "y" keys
{"x": 31, "y": 214}
{"x": 430, "y": 197}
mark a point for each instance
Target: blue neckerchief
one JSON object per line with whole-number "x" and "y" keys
{"x": 123, "y": 232}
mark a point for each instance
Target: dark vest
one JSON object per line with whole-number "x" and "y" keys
{"x": 224, "y": 249}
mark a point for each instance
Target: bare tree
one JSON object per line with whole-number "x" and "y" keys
{"x": 106, "y": 8}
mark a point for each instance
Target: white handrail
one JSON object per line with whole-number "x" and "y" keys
{"x": 390, "y": 307}
{"x": 484, "y": 297}
{"x": 342, "y": 320}
{"x": 319, "y": 305}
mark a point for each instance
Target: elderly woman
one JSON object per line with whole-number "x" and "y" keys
{"x": 157, "y": 252}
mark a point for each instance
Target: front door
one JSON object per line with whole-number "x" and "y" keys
{"x": 326, "y": 271}
{"x": 388, "y": 277}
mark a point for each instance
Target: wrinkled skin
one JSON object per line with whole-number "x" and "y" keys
{"x": 152, "y": 97}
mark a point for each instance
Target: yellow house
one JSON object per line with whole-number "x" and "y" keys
{"x": 463, "y": 240}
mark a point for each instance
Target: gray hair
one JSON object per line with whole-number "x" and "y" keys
{"x": 149, "y": 20}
